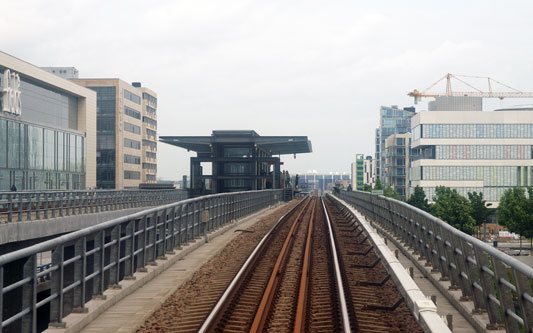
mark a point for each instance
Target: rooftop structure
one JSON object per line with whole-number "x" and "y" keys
{"x": 240, "y": 160}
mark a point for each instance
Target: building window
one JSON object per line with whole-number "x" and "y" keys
{"x": 150, "y": 166}
{"x": 150, "y": 98}
{"x": 128, "y": 143}
{"x": 151, "y": 155}
{"x": 150, "y": 144}
{"x": 132, "y": 175}
{"x": 132, "y": 113}
{"x": 132, "y": 159}
{"x": 150, "y": 132}
{"x": 132, "y": 97}
{"x": 149, "y": 121}
{"x": 237, "y": 152}
{"x": 132, "y": 128}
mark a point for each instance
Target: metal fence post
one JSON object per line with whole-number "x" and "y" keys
{"x": 114, "y": 257}
{"x": 29, "y": 295}
{"x": 80, "y": 266}
{"x": 56, "y": 288}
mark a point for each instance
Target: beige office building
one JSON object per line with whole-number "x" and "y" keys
{"x": 482, "y": 151}
{"x": 119, "y": 132}
{"x": 149, "y": 135}
{"x": 47, "y": 129}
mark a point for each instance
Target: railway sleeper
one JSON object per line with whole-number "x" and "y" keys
{"x": 383, "y": 307}
{"x": 378, "y": 260}
{"x": 370, "y": 283}
{"x": 361, "y": 253}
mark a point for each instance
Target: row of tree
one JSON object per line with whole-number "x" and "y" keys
{"x": 515, "y": 210}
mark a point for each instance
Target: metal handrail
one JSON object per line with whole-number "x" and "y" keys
{"x": 88, "y": 261}
{"x": 496, "y": 282}
{"x": 37, "y": 205}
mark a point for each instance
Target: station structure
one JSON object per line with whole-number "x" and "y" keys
{"x": 241, "y": 160}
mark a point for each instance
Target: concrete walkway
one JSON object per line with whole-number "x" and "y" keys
{"x": 128, "y": 314}
{"x": 460, "y": 324}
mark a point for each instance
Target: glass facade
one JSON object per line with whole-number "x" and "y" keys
{"x": 38, "y": 158}
{"x": 491, "y": 194}
{"x": 106, "y": 137}
{"x": 44, "y": 106}
{"x": 473, "y": 131}
{"x": 490, "y": 175}
{"x": 392, "y": 121}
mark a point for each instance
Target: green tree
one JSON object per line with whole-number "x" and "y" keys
{"x": 391, "y": 193}
{"x": 367, "y": 188}
{"x": 515, "y": 211}
{"x": 480, "y": 211}
{"x": 377, "y": 185}
{"x": 418, "y": 199}
{"x": 453, "y": 209}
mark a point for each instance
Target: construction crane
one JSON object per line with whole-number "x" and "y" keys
{"x": 515, "y": 93}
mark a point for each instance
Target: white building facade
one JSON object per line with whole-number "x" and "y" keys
{"x": 487, "y": 152}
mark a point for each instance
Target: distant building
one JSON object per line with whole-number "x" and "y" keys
{"x": 397, "y": 163}
{"x": 121, "y": 133}
{"x": 64, "y": 72}
{"x": 239, "y": 160}
{"x": 362, "y": 172}
{"x": 358, "y": 172}
{"x": 322, "y": 182}
{"x": 456, "y": 103}
{"x": 47, "y": 130}
{"x": 149, "y": 134}
{"x": 392, "y": 120}
{"x": 369, "y": 171}
{"x": 487, "y": 152}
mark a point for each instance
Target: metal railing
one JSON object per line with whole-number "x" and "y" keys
{"x": 496, "y": 282}
{"x": 27, "y": 206}
{"x": 91, "y": 260}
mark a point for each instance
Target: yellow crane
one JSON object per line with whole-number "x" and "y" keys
{"x": 514, "y": 93}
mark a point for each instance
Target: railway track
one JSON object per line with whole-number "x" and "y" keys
{"x": 314, "y": 271}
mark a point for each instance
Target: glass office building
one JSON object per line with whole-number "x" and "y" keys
{"x": 392, "y": 120}
{"x": 44, "y": 144}
{"x": 487, "y": 152}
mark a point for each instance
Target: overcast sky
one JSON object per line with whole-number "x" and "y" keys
{"x": 315, "y": 68}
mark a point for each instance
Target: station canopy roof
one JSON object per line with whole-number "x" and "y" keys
{"x": 275, "y": 145}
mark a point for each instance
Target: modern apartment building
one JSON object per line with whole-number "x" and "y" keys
{"x": 149, "y": 134}
{"x": 47, "y": 130}
{"x": 487, "y": 152}
{"x": 119, "y": 132}
{"x": 363, "y": 171}
{"x": 397, "y": 163}
{"x": 369, "y": 171}
{"x": 392, "y": 120}
{"x": 358, "y": 172}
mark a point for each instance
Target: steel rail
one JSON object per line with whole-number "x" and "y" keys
{"x": 301, "y": 307}
{"x": 217, "y": 311}
{"x": 338, "y": 277}
{"x": 261, "y": 315}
